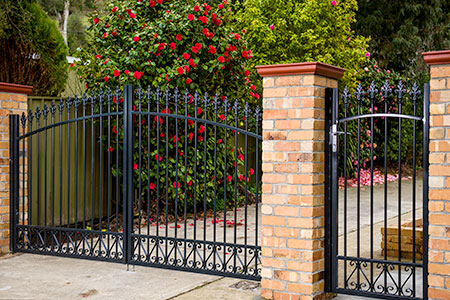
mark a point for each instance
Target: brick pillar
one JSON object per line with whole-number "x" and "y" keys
{"x": 439, "y": 176}
{"x": 13, "y": 100}
{"x": 293, "y": 221}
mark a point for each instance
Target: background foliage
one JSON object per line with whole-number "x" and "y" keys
{"x": 32, "y": 50}
{"x": 283, "y": 31}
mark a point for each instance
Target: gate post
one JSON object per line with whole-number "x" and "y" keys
{"x": 439, "y": 175}
{"x": 293, "y": 183}
{"x": 13, "y": 100}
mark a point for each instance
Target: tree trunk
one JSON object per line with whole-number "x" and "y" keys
{"x": 66, "y": 17}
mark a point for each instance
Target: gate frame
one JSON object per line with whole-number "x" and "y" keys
{"x": 332, "y": 190}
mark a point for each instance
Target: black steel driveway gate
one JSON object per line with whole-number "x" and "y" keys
{"x": 375, "y": 202}
{"x": 139, "y": 177}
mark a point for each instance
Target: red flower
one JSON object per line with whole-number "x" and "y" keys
{"x": 172, "y": 46}
{"x": 221, "y": 59}
{"x": 196, "y": 8}
{"x": 97, "y": 56}
{"x": 116, "y": 73}
{"x": 126, "y": 72}
{"x": 135, "y": 166}
{"x": 136, "y": 39}
{"x": 195, "y": 50}
{"x": 191, "y": 17}
{"x": 199, "y": 111}
{"x": 106, "y": 78}
{"x": 160, "y": 119}
{"x": 205, "y": 31}
{"x": 203, "y": 19}
{"x": 200, "y": 138}
{"x": 189, "y": 183}
{"x": 192, "y": 63}
{"x": 151, "y": 186}
{"x": 219, "y": 141}
{"x": 229, "y": 178}
{"x": 253, "y": 87}
{"x": 168, "y": 79}
{"x": 246, "y": 73}
{"x": 191, "y": 135}
{"x": 212, "y": 49}
{"x": 251, "y": 172}
{"x": 176, "y": 185}
{"x": 214, "y": 16}
{"x": 188, "y": 81}
{"x": 179, "y": 37}
{"x": 198, "y": 46}
{"x": 207, "y": 7}
{"x": 201, "y": 129}
{"x": 131, "y": 15}
{"x": 217, "y": 22}
{"x": 114, "y": 9}
{"x": 237, "y": 36}
{"x": 137, "y": 74}
{"x": 190, "y": 122}
{"x": 114, "y": 32}
{"x": 105, "y": 35}
{"x": 180, "y": 70}
{"x": 158, "y": 157}
{"x": 240, "y": 156}
{"x": 220, "y": 6}
{"x": 159, "y": 1}
{"x": 96, "y": 20}
{"x": 186, "y": 56}
{"x": 151, "y": 3}
{"x": 161, "y": 46}
{"x": 244, "y": 54}
{"x": 222, "y": 117}
{"x": 114, "y": 127}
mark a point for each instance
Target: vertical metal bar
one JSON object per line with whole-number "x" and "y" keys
{"x": 158, "y": 158}
{"x": 246, "y": 110}
{"x": 345, "y": 197}
{"x": 118, "y": 93}
{"x": 426, "y": 117}
{"x": 399, "y": 198}
{"x": 358, "y": 196}
{"x": 225, "y": 169}
{"x": 45, "y": 164}
{"x": 109, "y": 173}
{"x": 372, "y": 92}
{"x": 236, "y": 123}
{"x": 68, "y": 163}
{"x": 166, "y": 242}
{"x": 100, "y": 190}
{"x": 139, "y": 167}
{"x": 24, "y": 162}
{"x": 53, "y": 163}
{"x": 149, "y": 151}
{"x": 84, "y": 103}
{"x": 215, "y": 185}
{"x": 385, "y": 185}
{"x": 257, "y": 119}
{"x": 186, "y": 97}
{"x": 38, "y": 177}
{"x": 128, "y": 159}
{"x": 76, "y": 160}
{"x": 194, "y": 246}
{"x": 178, "y": 185}
{"x": 14, "y": 178}
{"x": 414, "y": 200}
{"x": 334, "y": 191}
{"x": 92, "y": 171}
{"x": 205, "y": 113}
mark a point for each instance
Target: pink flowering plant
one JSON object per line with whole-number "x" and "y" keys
{"x": 170, "y": 44}
{"x": 366, "y": 75}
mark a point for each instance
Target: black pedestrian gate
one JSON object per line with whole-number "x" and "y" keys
{"x": 149, "y": 178}
{"x": 377, "y": 221}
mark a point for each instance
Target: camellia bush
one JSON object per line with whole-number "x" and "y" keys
{"x": 285, "y": 31}
{"x": 184, "y": 45}
{"x": 369, "y": 73}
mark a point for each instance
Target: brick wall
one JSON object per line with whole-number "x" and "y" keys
{"x": 293, "y": 221}
{"x": 13, "y": 100}
{"x": 439, "y": 175}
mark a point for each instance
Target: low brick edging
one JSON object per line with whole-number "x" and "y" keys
{"x": 13, "y": 100}
{"x": 439, "y": 175}
{"x": 293, "y": 183}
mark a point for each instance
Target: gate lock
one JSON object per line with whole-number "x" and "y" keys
{"x": 333, "y": 136}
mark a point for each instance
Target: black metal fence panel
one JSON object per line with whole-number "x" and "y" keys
{"x": 377, "y": 227}
{"x": 139, "y": 176}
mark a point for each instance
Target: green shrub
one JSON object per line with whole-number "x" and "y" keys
{"x": 173, "y": 44}
{"x": 33, "y": 51}
{"x": 285, "y": 31}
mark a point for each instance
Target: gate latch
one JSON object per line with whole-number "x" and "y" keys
{"x": 333, "y": 137}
